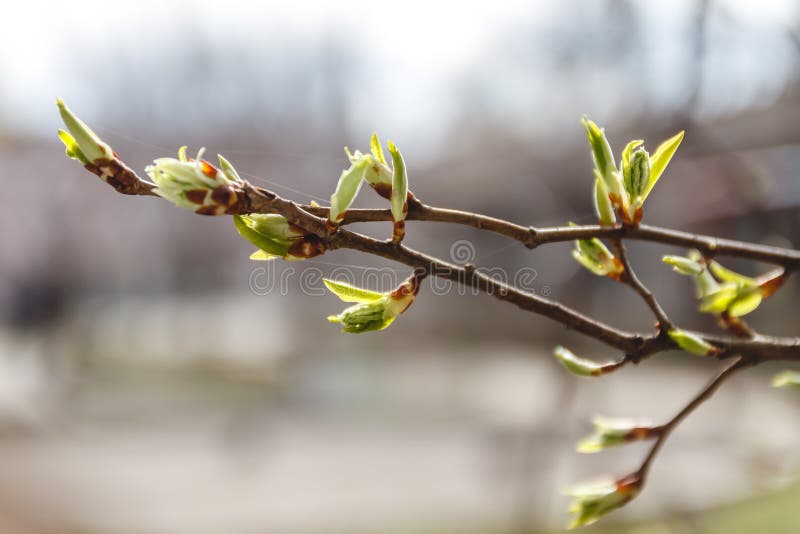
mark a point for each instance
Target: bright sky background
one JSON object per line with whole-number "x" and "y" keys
{"x": 415, "y": 50}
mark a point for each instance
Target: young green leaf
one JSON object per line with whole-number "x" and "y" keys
{"x": 399, "y": 194}
{"x": 376, "y": 148}
{"x": 660, "y": 159}
{"x": 346, "y": 189}
{"x": 91, "y": 146}
{"x": 348, "y": 293}
{"x": 684, "y": 265}
{"x": 602, "y": 203}
{"x": 614, "y": 432}
{"x": 245, "y": 225}
{"x": 603, "y": 156}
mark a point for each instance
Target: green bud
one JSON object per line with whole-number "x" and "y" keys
{"x": 81, "y": 142}
{"x": 640, "y": 172}
{"x": 371, "y": 168}
{"x": 595, "y": 499}
{"x": 693, "y": 343}
{"x": 195, "y": 184}
{"x": 786, "y": 379}
{"x": 372, "y": 311}
{"x": 636, "y": 173}
{"x": 365, "y": 317}
{"x": 719, "y": 289}
{"x": 614, "y": 432}
{"x": 595, "y": 256}
{"x": 276, "y": 238}
{"x": 576, "y": 365}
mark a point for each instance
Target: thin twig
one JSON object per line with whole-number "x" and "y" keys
{"x": 704, "y": 394}
{"x": 532, "y": 236}
{"x": 629, "y": 277}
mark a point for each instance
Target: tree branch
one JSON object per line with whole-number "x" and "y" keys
{"x": 636, "y": 346}
{"x": 748, "y": 349}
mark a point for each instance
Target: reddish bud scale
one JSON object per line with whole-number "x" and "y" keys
{"x": 210, "y": 210}
{"x": 116, "y": 174}
{"x": 208, "y": 169}
{"x": 384, "y": 190}
{"x": 196, "y": 196}
{"x": 772, "y": 282}
{"x": 223, "y": 196}
{"x": 639, "y": 433}
{"x": 629, "y": 484}
{"x": 735, "y": 325}
{"x": 307, "y": 246}
{"x": 617, "y": 274}
{"x": 399, "y": 231}
{"x": 411, "y": 286}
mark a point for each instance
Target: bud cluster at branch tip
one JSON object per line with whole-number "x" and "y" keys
{"x": 373, "y": 311}
{"x": 595, "y": 256}
{"x": 614, "y": 432}
{"x": 373, "y": 169}
{"x": 195, "y": 184}
{"x": 722, "y": 291}
{"x": 83, "y": 145}
{"x": 593, "y": 500}
{"x": 275, "y": 237}
{"x": 625, "y": 189}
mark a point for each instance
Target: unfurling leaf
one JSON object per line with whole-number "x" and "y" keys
{"x": 276, "y": 238}
{"x": 602, "y": 203}
{"x": 613, "y": 432}
{"x": 719, "y": 289}
{"x": 373, "y": 311}
{"x": 90, "y": 147}
{"x": 349, "y": 293}
{"x": 595, "y": 256}
{"x": 602, "y": 155}
{"x": 195, "y": 184}
{"x": 346, "y": 189}
{"x": 660, "y": 159}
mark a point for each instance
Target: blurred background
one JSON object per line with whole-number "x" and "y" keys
{"x": 154, "y": 380}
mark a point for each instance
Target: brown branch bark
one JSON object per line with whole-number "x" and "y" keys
{"x": 635, "y": 345}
